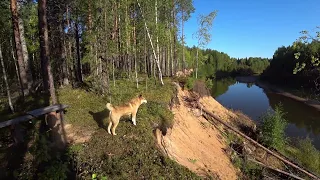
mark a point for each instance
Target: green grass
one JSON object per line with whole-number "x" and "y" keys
{"x": 305, "y": 154}
{"x": 133, "y": 153}
{"x": 249, "y": 170}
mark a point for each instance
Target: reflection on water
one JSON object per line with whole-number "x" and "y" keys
{"x": 250, "y": 99}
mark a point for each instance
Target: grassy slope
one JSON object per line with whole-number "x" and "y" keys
{"x": 133, "y": 153}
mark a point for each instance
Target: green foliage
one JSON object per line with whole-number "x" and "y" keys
{"x": 296, "y": 65}
{"x": 273, "y": 126}
{"x": 57, "y": 170}
{"x": 203, "y": 34}
{"x": 190, "y": 82}
{"x": 209, "y": 83}
{"x": 313, "y": 57}
{"x": 308, "y": 155}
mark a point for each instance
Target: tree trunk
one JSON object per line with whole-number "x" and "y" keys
{"x": 25, "y": 50}
{"x": 171, "y": 55}
{"x": 135, "y": 55}
{"x": 114, "y": 81}
{"x": 56, "y": 123}
{"x": 197, "y": 63}
{"x": 15, "y": 25}
{"x": 44, "y": 50}
{"x": 145, "y": 54}
{"x": 16, "y": 66}
{"x": 182, "y": 39}
{"x": 157, "y": 38}
{"x": 174, "y": 60}
{"x": 79, "y": 70}
{"x": 65, "y": 65}
{"x": 6, "y": 81}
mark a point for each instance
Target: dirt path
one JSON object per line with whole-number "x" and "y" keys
{"x": 195, "y": 143}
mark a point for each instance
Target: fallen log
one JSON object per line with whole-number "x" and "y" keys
{"x": 256, "y": 143}
{"x": 276, "y": 169}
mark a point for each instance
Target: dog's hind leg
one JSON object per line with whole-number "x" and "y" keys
{"x": 115, "y": 124}
{"x": 109, "y": 126}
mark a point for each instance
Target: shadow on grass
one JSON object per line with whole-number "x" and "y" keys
{"x": 99, "y": 117}
{"x": 15, "y": 148}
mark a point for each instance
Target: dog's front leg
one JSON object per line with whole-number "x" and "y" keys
{"x": 134, "y": 119}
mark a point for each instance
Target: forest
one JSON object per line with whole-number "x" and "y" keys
{"x": 96, "y": 43}
{"x": 85, "y": 53}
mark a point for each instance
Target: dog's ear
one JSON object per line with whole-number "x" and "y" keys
{"x": 140, "y": 95}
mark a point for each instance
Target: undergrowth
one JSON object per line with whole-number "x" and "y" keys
{"x": 249, "y": 170}
{"x": 302, "y": 151}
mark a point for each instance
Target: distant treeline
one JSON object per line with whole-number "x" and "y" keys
{"x": 285, "y": 62}
{"x": 213, "y": 64}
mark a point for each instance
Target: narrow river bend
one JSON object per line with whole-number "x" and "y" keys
{"x": 253, "y": 101}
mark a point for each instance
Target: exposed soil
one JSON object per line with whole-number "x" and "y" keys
{"x": 197, "y": 144}
{"x": 77, "y": 135}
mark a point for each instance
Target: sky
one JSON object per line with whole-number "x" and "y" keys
{"x": 254, "y": 28}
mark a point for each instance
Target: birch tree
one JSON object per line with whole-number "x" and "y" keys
{"x": 153, "y": 50}
{"x": 203, "y": 34}
{"x": 5, "y": 78}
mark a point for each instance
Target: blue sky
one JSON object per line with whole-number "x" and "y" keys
{"x": 245, "y": 28}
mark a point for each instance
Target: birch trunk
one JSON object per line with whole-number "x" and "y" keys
{"x": 24, "y": 50}
{"x": 154, "y": 53}
{"x": 183, "y": 58}
{"x": 197, "y": 63}
{"x": 79, "y": 70}
{"x": 6, "y": 81}
{"x": 153, "y": 50}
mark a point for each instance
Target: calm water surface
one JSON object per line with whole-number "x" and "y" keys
{"x": 253, "y": 101}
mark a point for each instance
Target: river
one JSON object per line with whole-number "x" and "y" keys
{"x": 303, "y": 121}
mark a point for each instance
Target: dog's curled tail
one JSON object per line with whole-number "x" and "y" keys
{"x": 109, "y": 106}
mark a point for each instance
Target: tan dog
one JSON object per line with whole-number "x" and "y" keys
{"x": 117, "y": 112}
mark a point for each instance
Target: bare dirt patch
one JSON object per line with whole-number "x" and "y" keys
{"x": 196, "y": 143}
{"x": 76, "y": 134}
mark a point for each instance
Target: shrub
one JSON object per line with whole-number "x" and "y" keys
{"x": 190, "y": 82}
{"x": 273, "y": 126}
{"x": 209, "y": 83}
{"x": 308, "y": 155}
